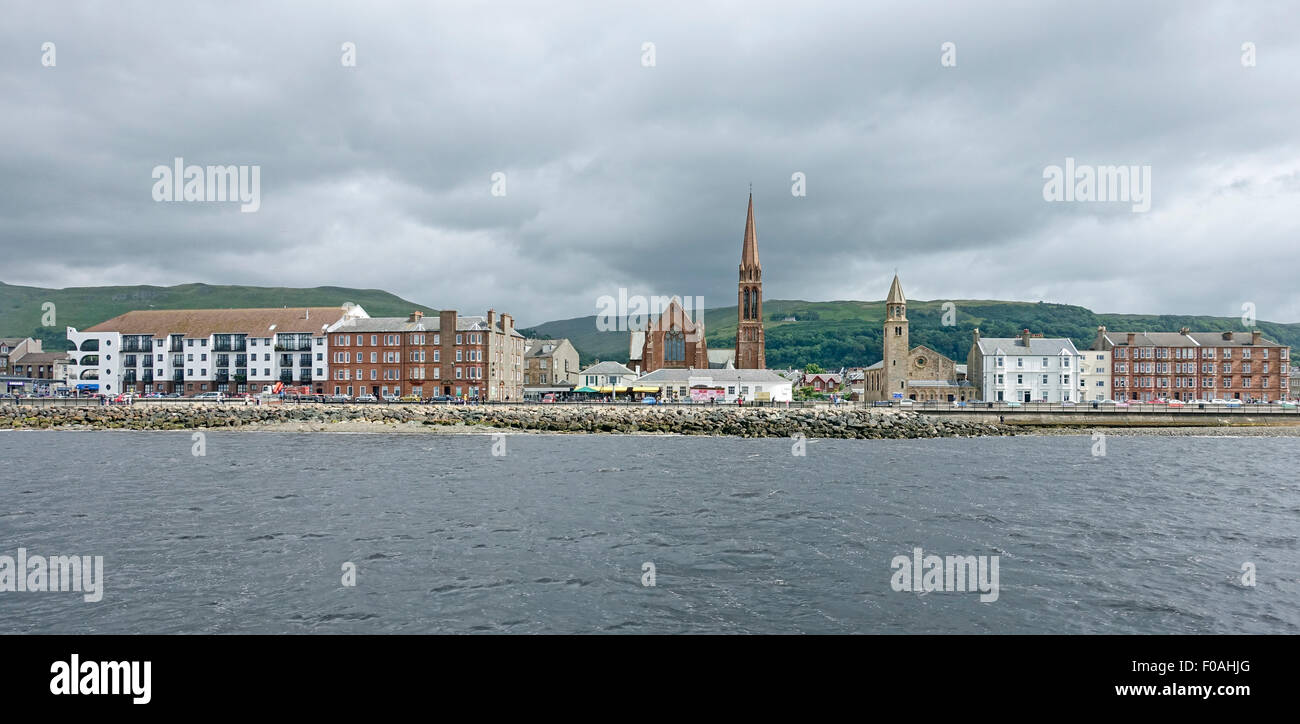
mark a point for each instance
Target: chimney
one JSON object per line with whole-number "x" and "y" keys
{"x": 977, "y": 335}
{"x": 492, "y": 315}
{"x": 447, "y": 327}
{"x": 1256, "y": 336}
{"x": 416, "y": 316}
{"x": 1132, "y": 338}
{"x": 1227, "y": 336}
{"x": 1024, "y": 338}
{"x": 507, "y": 323}
{"x": 1184, "y": 330}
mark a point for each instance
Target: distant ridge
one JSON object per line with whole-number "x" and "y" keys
{"x": 81, "y": 307}
{"x": 847, "y": 333}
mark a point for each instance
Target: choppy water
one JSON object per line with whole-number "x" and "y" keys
{"x": 744, "y": 536}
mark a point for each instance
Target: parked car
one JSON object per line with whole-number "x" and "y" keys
{"x": 1234, "y": 403}
{"x": 649, "y": 401}
{"x": 409, "y": 398}
{"x": 905, "y": 403}
{"x": 1287, "y": 405}
{"x": 366, "y": 398}
{"x": 339, "y": 398}
{"x": 391, "y": 398}
{"x": 550, "y": 397}
{"x": 210, "y": 396}
{"x": 958, "y": 403}
{"x": 439, "y": 398}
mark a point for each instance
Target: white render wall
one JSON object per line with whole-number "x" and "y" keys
{"x": 1095, "y": 369}
{"x": 1022, "y": 373}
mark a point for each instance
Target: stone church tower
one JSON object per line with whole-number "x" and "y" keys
{"x": 750, "y": 352}
{"x": 897, "y": 349}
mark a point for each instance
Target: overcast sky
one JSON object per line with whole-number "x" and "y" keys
{"x": 623, "y": 175}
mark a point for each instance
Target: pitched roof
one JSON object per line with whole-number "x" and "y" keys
{"x": 255, "y": 322}
{"x": 679, "y": 374}
{"x": 1037, "y": 345}
{"x": 1191, "y": 339}
{"x": 895, "y": 293}
{"x": 749, "y": 249}
{"x": 607, "y": 368}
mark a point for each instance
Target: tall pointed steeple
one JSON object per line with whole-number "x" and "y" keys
{"x": 750, "y": 346}
{"x": 749, "y": 251}
{"x": 895, "y": 293}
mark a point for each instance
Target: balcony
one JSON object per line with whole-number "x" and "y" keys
{"x": 146, "y": 377}
{"x": 286, "y": 360}
{"x": 176, "y": 346}
{"x": 133, "y": 345}
{"x": 178, "y": 376}
{"x": 286, "y": 376}
{"x": 129, "y": 378}
{"x": 223, "y": 375}
{"x": 241, "y": 346}
{"x": 304, "y": 360}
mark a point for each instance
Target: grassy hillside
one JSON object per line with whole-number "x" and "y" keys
{"x": 848, "y": 333}
{"x": 21, "y": 307}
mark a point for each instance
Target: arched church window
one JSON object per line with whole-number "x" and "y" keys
{"x": 745, "y": 310}
{"x": 674, "y": 346}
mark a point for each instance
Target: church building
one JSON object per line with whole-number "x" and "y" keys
{"x": 750, "y": 346}
{"x": 911, "y": 373}
{"x": 675, "y": 341}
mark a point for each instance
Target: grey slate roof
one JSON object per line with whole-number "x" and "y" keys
{"x": 1047, "y": 346}
{"x": 1191, "y": 339}
{"x": 682, "y": 375}
{"x": 607, "y": 368}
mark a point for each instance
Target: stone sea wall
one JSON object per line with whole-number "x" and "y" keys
{"x": 734, "y": 421}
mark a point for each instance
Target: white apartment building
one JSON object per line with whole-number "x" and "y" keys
{"x": 1094, "y": 376}
{"x": 191, "y": 351}
{"x": 1025, "y": 368}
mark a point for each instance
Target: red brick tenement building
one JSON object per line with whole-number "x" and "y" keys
{"x": 1188, "y": 365}
{"x": 473, "y": 357}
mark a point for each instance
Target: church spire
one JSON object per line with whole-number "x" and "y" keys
{"x": 895, "y": 293}
{"x": 749, "y": 252}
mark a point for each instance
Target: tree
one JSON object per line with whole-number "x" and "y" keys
{"x": 812, "y": 368}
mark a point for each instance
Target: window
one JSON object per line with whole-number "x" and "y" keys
{"x": 674, "y": 346}
{"x": 999, "y": 361}
{"x": 459, "y": 339}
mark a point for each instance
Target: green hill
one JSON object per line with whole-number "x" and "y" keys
{"x": 848, "y": 333}
{"x": 81, "y": 307}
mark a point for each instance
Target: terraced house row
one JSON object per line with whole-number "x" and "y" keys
{"x": 1187, "y": 365}
{"x": 322, "y": 350}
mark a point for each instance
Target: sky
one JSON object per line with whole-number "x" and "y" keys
{"x": 628, "y": 165}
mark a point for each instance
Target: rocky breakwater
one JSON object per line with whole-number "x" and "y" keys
{"x": 733, "y": 421}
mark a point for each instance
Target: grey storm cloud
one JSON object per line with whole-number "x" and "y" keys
{"x": 621, "y": 175}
